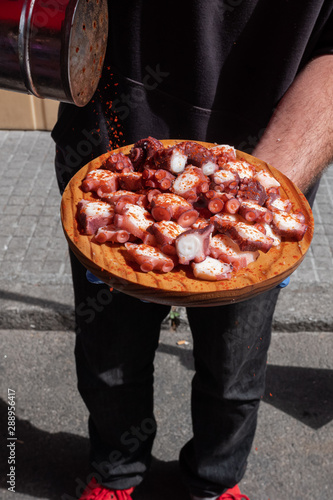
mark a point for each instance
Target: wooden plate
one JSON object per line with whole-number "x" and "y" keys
{"x": 110, "y": 263}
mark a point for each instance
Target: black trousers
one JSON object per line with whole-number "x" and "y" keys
{"x": 117, "y": 336}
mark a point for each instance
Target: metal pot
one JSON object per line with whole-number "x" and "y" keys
{"x": 53, "y": 48}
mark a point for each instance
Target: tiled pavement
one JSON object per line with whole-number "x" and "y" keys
{"x": 32, "y": 246}
{"x": 320, "y": 258}
{"x": 33, "y": 249}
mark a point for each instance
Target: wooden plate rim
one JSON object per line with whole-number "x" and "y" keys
{"x": 175, "y": 287}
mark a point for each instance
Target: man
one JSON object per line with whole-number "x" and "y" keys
{"x": 257, "y": 75}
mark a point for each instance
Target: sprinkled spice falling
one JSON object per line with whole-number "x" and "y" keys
{"x": 113, "y": 129}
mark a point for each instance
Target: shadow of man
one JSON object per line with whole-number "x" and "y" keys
{"x": 55, "y": 466}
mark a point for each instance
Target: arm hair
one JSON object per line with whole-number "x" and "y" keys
{"x": 299, "y": 137}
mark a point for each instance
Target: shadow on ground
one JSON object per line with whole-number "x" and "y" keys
{"x": 303, "y": 393}
{"x": 54, "y": 466}
{"x": 34, "y": 301}
{"x": 46, "y": 463}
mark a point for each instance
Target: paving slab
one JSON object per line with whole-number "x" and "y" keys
{"x": 293, "y": 449}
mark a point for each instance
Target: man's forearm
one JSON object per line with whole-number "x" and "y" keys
{"x": 299, "y": 137}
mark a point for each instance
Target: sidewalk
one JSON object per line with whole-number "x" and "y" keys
{"x": 35, "y": 283}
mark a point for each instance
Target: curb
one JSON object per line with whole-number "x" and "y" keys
{"x": 50, "y": 307}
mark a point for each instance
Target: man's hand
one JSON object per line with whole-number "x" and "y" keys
{"x": 299, "y": 137}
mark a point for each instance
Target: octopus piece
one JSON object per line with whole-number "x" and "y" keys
{"x": 224, "y": 248}
{"x": 166, "y": 232}
{"x": 289, "y": 226}
{"x": 93, "y": 214}
{"x": 243, "y": 168}
{"x": 167, "y": 206}
{"x": 196, "y": 153}
{"x": 276, "y": 203}
{"x": 144, "y": 150}
{"x": 226, "y": 180}
{"x": 212, "y": 270}
{"x": 135, "y": 198}
{"x": 215, "y": 201}
{"x": 200, "y": 223}
{"x": 172, "y": 159}
{"x": 134, "y": 219}
{"x": 224, "y": 153}
{"x": 275, "y": 237}
{"x": 118, "y": 162}
{"x": 149, "y": 258}
{"x": 131, "y": 181}
{"x": 273, "y": 191}
{"x": 199, "y": 156}
{"x": 252, "y": 190}
{"x": 193, "y": 244}
{"x": 209, "y": 167}
{"x": 231, "y": 191}
{"x": 158, "y": 179}
{"x": 253, "y": 212}
{"x": 223, "y": 221}
{"x": 125, "y": 200}
{"x": 249, "y": 238}
{"x": 100, "y": 181}
{"x": 111, "y": 233}
{"x": 190, "y": 183}
{"x": 266, "y": 180}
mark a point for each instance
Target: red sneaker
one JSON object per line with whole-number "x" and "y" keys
{"x": 95, "y": 491}
{"x": 233, "y": 494}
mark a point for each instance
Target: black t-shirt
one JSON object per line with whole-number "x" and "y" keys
{"x": 192, "y": 69}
